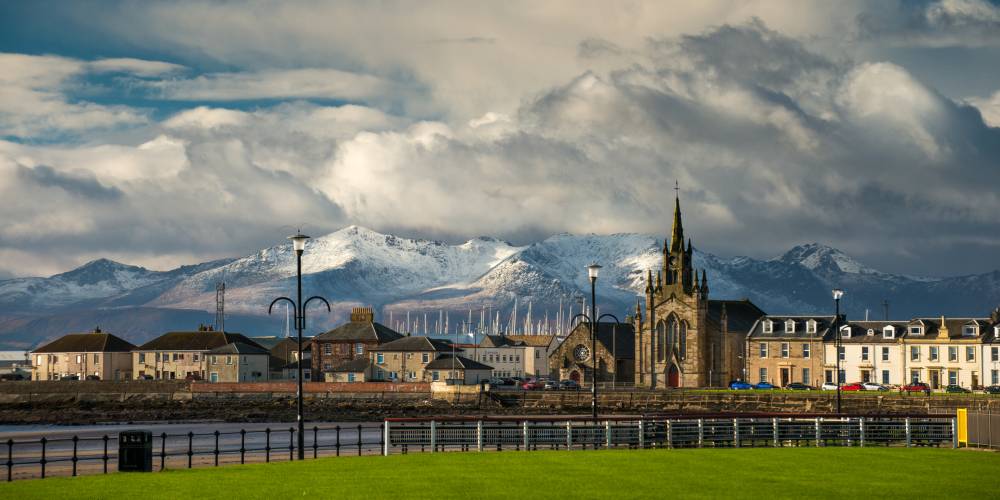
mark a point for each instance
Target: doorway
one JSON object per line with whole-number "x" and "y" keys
{"x": 574, "y": 376}
{"x": 935, "y": 379}
{"x": 785, "y": 377}
{"x": 673, "y": 376}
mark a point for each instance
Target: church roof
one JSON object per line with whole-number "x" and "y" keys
{"x": 618, "y": 339}
{"x": 740, "y": 314}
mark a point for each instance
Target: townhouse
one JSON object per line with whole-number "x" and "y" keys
{"x": 182, "y": 356}
{"x": 786, "y": 349}
{"x": 945, "y": 351}
{"x": 352, "y": 340}
{"x": 991, "y": 354}
{"x": 870, "y": 351}
{"x": 95, "y": 355}
{"x": 237, "y": 362}
{"x": 406, "y": 359}
{"x": 516, "y": 355}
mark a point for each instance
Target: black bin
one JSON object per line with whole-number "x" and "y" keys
{"x": 135, "y": 451}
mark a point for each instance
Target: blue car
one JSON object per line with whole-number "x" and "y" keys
{"x": 740, "y": 385}
{"x": 764, "y": 385}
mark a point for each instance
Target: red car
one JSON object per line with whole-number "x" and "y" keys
{"x": 533, "y": 385}
{"x": 852, "y": 387}
{"x": 917, "y": 387}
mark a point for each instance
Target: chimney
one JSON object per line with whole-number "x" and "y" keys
{"x": 362, "y": 315}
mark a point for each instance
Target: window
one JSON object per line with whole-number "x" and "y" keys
{"x": 359, "y": 348}
{"x": 871, "y": 331}
{"x": 196, "y": 357}
{"x": 350, "y": 377}
{"x": 916, "y": 330}
{"x": 889, "y": 332}
{"x": 842, "y": 376}
{"x": 537, "y": 354}
{"x": 885, "y": 354}
{"x": 784, "y": 349}
{"x": 38, "y": 360}
{"x": 380, "y": 358}
{"x": 828, "y": 375}
{"x": 393, "y": 375}
{"x": 78, "y": 360}
{"x": 97, "y": 358}
{"x": 412, "y": 375}
{"x": 326, "y": 367}
{"x": 952, "y": 377}
{"x": 970, "y": 330}
{"x": 864, "y": 353}
{"x": 995, "y": 353}
{"x": 914, "y": 376}
{"x": 811, "y": 326}
{"x": 885, "y": 377}
{"x": 995, "y": 376}
{"x": 805, "y": 375}
{"x": 790, "y": 326}
{"x": 768, "y": 326}
{"x": 215, "y": 359}
{"x": 213, "y": 377}
{"x": 426, "y": 357}
{"x": 175, "y": 357}
{"x": 245, "y": 360}
{"x": 229, "y": 360}
{"x": 762, "y": 376}
{"x": 842, "y": 353}
{"x": 970, "y": 353}
{"x": 805, "y": 351}
{"x": 327, "y": 349}
{"x": 933, "y": 356}
{"x": 763, "y": 349}
{"x": 517, "y": 358}
{"x": 142, "y": 357}
{"x": 435, "y": 376}
{"x": 845, "y": 332}
{"x": 914, "y": 353}
{"x": 952, "y": 353}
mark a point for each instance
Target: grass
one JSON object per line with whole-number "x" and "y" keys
{"x": 695, "y": 473}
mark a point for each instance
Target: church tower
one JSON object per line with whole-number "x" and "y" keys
{"x": 672, "y": 344}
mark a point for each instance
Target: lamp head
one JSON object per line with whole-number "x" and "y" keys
{"x": 299, "y": 241}
{"x": 593, "y": 270}
{"x": 837, "y": 293}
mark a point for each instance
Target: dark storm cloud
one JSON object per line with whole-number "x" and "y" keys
{"x": 79, "y": 182}
{"x": 934, "y": 23}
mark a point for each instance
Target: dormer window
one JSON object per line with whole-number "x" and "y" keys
{"x": 790, "y": 326}
{"x": 970, "y": 330}
{"x": 871, "y": 331}
{"x": 811, "y": 326}
{"x": 845, "y": 331}
{"x": 889, "y": 332}
{"x": 916, "y": 330}
{"x": 996, "y": 332}
{"x": 768, "y": 326}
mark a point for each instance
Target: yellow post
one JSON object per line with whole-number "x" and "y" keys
{"x": 962, "y": 416}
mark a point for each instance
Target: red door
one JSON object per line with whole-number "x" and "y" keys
{"x": 673, "y": 377}
{"x": 574, "y": 376}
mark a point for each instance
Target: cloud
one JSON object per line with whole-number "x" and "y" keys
{"x": 273, "y": 84}
{"x": 137, "y": 67}
{"x": 940, "y": 23}
{"x": 78, "y": 182}
{"x": 989, "y": 107}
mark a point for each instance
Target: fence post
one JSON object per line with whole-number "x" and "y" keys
{"x": 774, "y": 432}
{"x": 433, "y": 436}
{"x": 906, "y": 424}
{"x": 216, "y": 448}
{"x": 670, "y": 435}
{"x": 10, "y": 460}
{"x": 527, "y": 441}
{"x": 291, "y": 444}
{"x": 819, "y": 432}
{"x": 336, "y": 445}
{"x": 42, "y": 461}
{"x": 569, "y": 435}
{"x": 105, "y": 453}
{"x": 861, "y": 429}
{"x": 243, "y": 446}
{"x": 315, "y": 441}
{"x": 163, "y": 450}
{"x": 642, "y": 434}
{"x": 479, "y": 435}
{"x": 76, "y": 440}
{"x": 954, "y": 432}
{"x": 607, "y": 434}
{"x": 267, "y": 444}
{"x": 736, "y": 433}
{"x": 359, "y": 440}
{"x": 385, "y": 433}
{"x": 190, "y": 447}
{"x": 701, "y": 432}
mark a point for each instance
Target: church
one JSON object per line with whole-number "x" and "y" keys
{"x": 686, "y": 339}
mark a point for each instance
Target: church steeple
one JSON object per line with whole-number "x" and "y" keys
{"x": 677, "y": 237}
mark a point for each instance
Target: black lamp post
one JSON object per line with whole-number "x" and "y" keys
{"x": 299, "y": 244}
{"x": 837, "y": 294}
{"x": 593, "y": 322}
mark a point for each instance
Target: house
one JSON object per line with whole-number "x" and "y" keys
{"x": 285, "y": 355}
{"x": 870, "y": 351}
{"x": 349, "y": 341}
{"x": 181, "y": 355}
{"x": 354, "y": 370}
{"x": 516, "y": 355}
{"x": 785, "y": 349}
{"x": 237, "y": 362}
{"x": 96, "y": 355}
{"x": 457, "y": 370}
{"x": 404, "y": 359}
{"x": 991, "y": 352}
{"x": 573, "y": 360}
{"x": 945, "y": 351}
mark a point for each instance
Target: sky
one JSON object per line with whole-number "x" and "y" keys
{"x": 169, "y": 133}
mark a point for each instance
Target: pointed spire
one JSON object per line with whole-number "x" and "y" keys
{"x": 677, "y": 236}
{"x": 689, "y": 246}
{"x": 649, "y": 282}
{"x": 704, "y": 282}
{"x": 638, "y": 308}
{"x": 697, "y": 288}
{"x": 659, "y": 281}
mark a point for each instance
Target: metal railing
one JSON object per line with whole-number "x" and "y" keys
{"x": 406, "y": 435}
{"x": 77, "y": 455}
{"x": 984, "y": 430}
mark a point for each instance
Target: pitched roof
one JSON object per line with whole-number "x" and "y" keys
{"x": 933, "y": 325}
{"x": 238, "y": 348}
{"x": 448, "y": 362}
{"x": 193, "y": 341}
{"x": 87, "y": 342}
{"x": 859, "y": 332}
{"x": 740, "y": 314}
{"x": 361, "y": 331}
{"x": 415, "y": 344}
{"x": 533, "y": 340}
{"x": 823, "y": 324}
{"x": 500, "y": 341}
{"x": 618, "y": 339}
{"x": 271, "y": 341}
{"x": 354, "y": 365}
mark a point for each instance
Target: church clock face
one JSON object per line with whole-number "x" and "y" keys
{"x": 581, "y": 353}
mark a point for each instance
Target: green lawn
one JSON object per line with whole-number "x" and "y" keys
{"x": 743, "y": 473}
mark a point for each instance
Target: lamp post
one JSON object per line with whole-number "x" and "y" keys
{"x": 593, "y": 270}
{"x": 299, "y": 245}
{"x": 837, "y": 294}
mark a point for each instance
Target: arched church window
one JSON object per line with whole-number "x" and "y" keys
{"x": 682, "y": 351}
{"x": 672, "y": 333}
{"x": 661, "y": 340}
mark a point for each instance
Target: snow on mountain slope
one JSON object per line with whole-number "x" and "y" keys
{"x": 98, "y": 279}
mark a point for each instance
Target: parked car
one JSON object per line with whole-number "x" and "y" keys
{"x": 569, "y": 385}
{"x": 144, "y": 377}
{"x": 856, "y": 386}
{"x": 764, "y": 386}
{"x": 828, "y": 386}
{"x": 956, "y": 389}
{"x": 70, "y": 377}
{"x": 92, "y": 377}
{"x": 532, "y": 385}
{"x": 12, "y": 376}
{"x": 874, "y": 386}
{"x": 798, "y": 386}
{"x": 993, "y": 389}
{"x": 551, "y": 385}
{"x": 495, "y": 381}
{"x": 917, "y": 387}
{"x": 740, "y": 385}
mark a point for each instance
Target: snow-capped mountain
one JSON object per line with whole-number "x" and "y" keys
{"x": 358, "y": 266}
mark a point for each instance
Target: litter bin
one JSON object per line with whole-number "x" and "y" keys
{"x": 135, "y": 451}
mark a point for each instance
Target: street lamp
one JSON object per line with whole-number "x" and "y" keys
{"x": 593, "y": 270}
{"x": 837, "y": 294}
{"x": 299, "y": 245}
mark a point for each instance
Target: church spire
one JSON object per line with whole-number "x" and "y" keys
{"x": 677, "y": 237}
